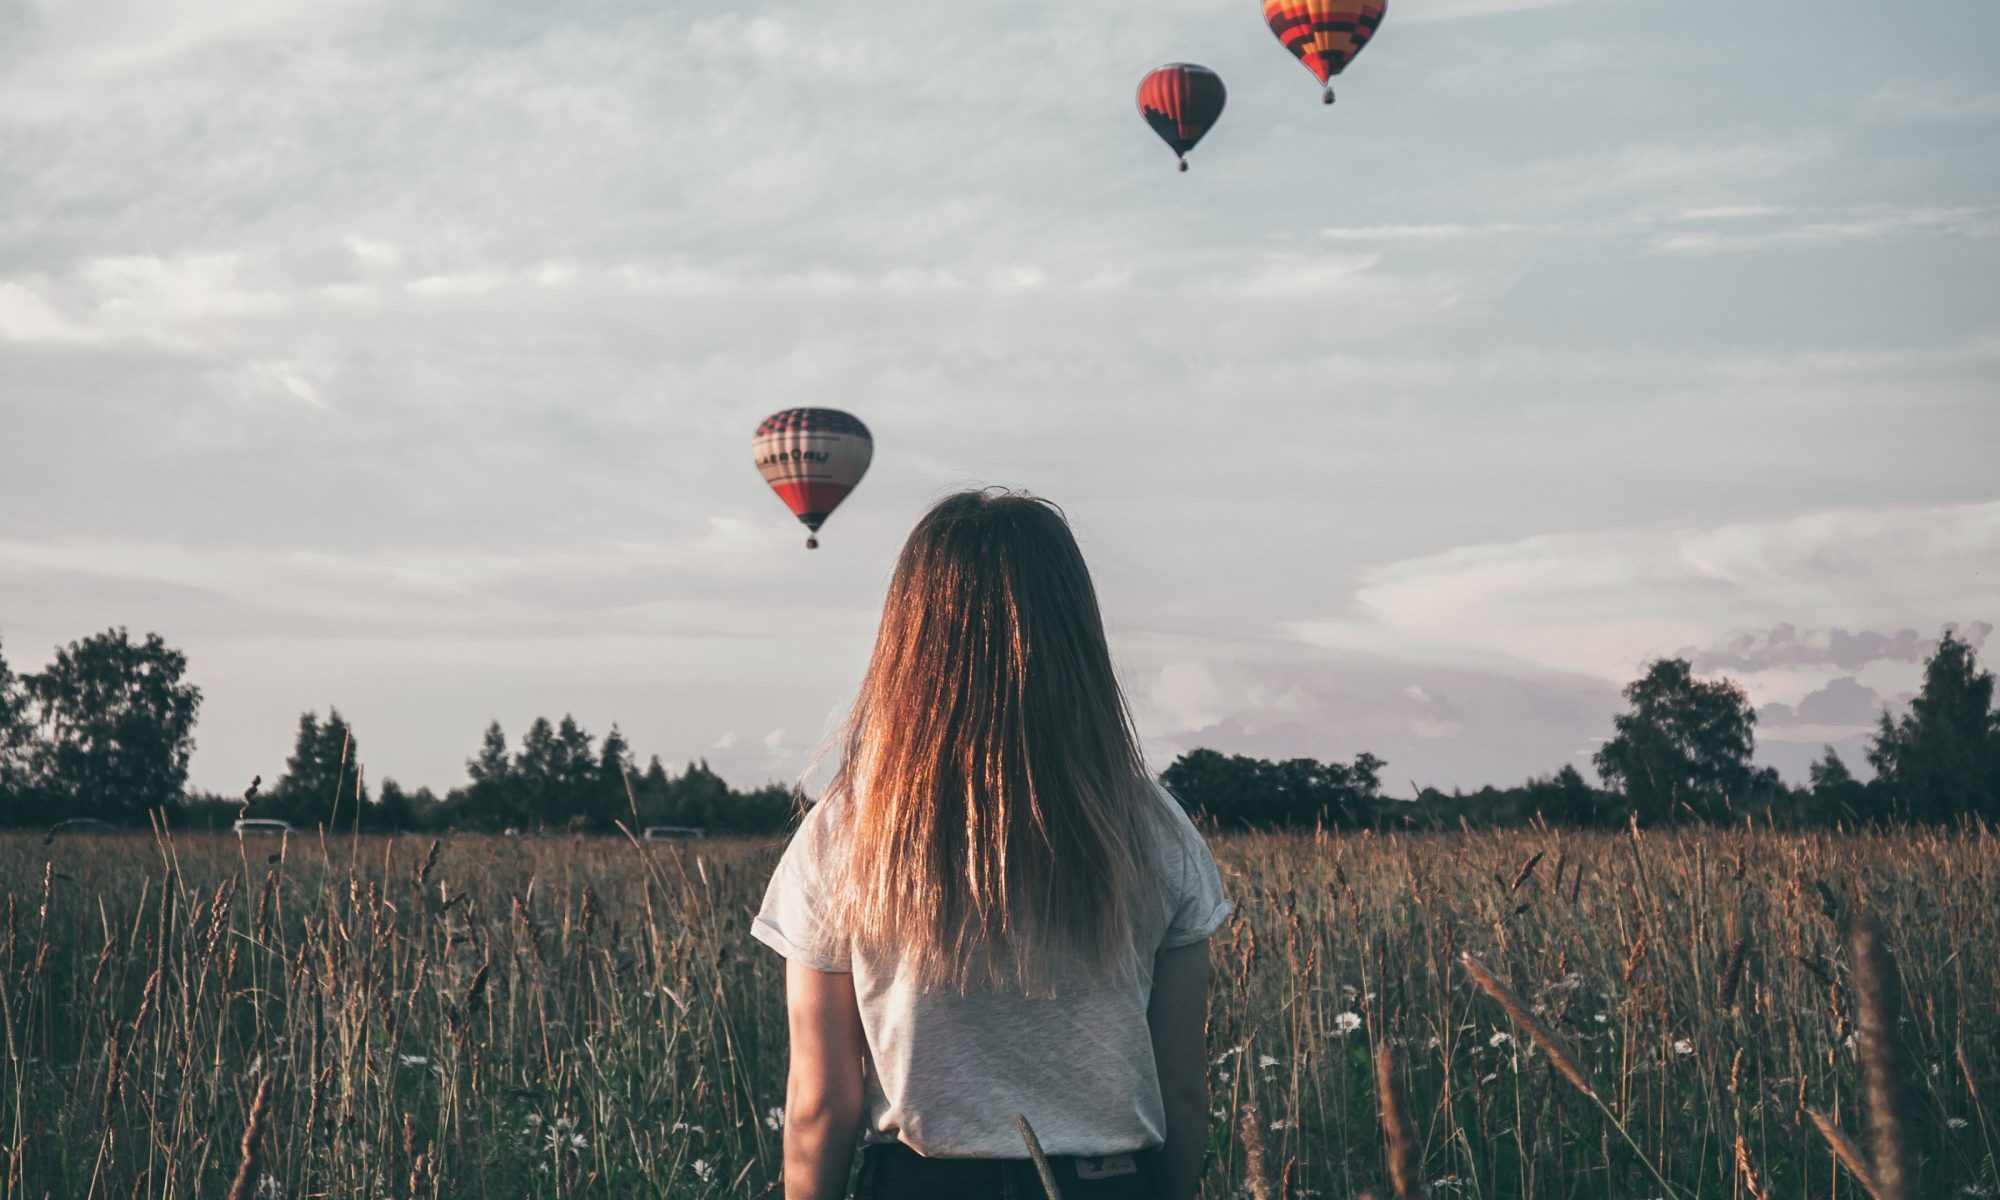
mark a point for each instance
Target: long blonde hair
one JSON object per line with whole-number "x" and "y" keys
{"x": 992, "y": 788}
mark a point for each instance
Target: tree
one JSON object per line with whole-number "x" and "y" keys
{"x": 493, "y": 799}
{"x": 114, "y": 726}
{"x": 14, "y": 746}
{"x": 322, "y": 780}
{"x": 1564, "y": 798}
{"x": 614, "y": 763}
{"x": 1942, "y": 760}
{"x": 575, "y": 797}
{"x": 1252, "y": 793}
{"x": 1684, "y": 748}
{"x": 1836, "y": 793}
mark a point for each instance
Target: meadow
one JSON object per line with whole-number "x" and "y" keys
{"x": 388, "y": 1017}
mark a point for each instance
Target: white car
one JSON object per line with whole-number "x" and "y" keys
{"x": 673, "y": 833}
{"x": 262, "y": 825}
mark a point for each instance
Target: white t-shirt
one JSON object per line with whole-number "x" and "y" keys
{"x": 947, "y": 1073}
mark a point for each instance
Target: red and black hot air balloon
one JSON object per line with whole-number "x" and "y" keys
{"x": 813, "y": 457}
{"x": 1181, "y": 101}
{"x": 1325, "y": 34}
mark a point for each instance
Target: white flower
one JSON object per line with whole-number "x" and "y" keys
{"x": 267, "y": 1187}
{"x": 577, "y": 1141}
{"x": 774, "y": 1118}
{"x": 684, "y": 1127}
{"x": 1954, "y": 1123}
{"x": 1265, "y": 1062}
{"x": 1682, "y": 1046}
{"x": 1601, "y": 1019}
{"x": 534, "y": 1119}
{"x": 702, "y": 1170}
{"x": 1346, "y": 1023}
{"x": 1500, "y": 1038}
{"x": 414, "y": 1060}
{"x": 1280, "y": 1124}
{"x": 1490, "y": 1078}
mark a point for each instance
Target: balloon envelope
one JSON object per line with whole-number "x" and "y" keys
{"x": 1324, "y": 34}
{"x": 812, "y": 457}
{"x": 1181, "y": 101}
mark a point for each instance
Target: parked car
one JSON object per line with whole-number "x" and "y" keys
{"x": 673, "y": 833}
{"x": 262, "y": 825}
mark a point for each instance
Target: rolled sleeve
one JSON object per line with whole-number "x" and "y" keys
{"x": 1200, "y": 907}
{"x": 792, "y": 919}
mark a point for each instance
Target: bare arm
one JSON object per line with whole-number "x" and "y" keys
{"x": 823, "y": 1087}
{"x": 1178, "y": 1015}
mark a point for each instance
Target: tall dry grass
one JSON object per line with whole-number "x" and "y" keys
{"x": 542, "y": 1018}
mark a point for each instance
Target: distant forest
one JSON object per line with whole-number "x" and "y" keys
{"x": 106, "y": 729}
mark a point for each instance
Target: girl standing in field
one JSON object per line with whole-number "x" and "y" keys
{"x": 994, "y": 910}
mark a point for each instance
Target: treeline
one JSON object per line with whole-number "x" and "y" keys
{"x": 560, "y": 779}
{"x": 105, "y": 732}
{"x": 1681, "y": 753}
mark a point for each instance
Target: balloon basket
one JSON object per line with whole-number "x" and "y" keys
{"x": 1184, "y": 165}
{"x": 812, "y": 543}
{"x": 1326, "y": 97}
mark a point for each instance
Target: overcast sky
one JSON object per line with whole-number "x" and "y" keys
{"x": 404, "y": 357}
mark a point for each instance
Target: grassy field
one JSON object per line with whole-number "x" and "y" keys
{"x": 588, "y": 1018}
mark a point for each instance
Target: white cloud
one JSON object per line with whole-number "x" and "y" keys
{"x": 1601, "y": 604}
{"x": 26, "y": 317}
{"x": 1859, "y": 225}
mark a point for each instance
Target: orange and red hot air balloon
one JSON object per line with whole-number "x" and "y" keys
{"x": 1181, "y": 101}
{"x": 1325, "y": 34}
{"x": 813, "y": 457}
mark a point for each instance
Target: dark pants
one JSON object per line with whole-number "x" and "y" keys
{"x": 892, "y": 1172}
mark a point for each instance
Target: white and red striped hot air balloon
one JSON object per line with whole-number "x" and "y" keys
{"x": 813, "y": 457}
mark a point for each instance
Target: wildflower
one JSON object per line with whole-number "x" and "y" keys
{"x": 1955, "y": 1122}
{"x": 1683, "y": 1047}
{"x": 577, "y": 1141}
{"x": 1490, "y": 1078}
{"x": 1280, "y": 1124}
{"x": 1601, "y": 1019}
{"x": 1500, "y": 1038}
{"x": 1265, "y": 1062}
{"x": 774, "y": 1119}
{"x": 413, "y": 1060}
{"x": 534, "y": 1119}
{"x": 702, "y": 1170}
{"x": 684, "y": 1127}
{"x": 1346, "y": 1023}
{"x": 267, "y": 1187}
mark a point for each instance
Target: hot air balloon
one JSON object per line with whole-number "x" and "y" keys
{"x": 1324, "y": 34}
{"x": 1181, "y": 101}
{"x": 812, "y": 457}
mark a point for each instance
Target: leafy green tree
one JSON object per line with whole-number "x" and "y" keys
{"x": 114, "y": 726}
{"x": 1941, "y": 762}
{"x": 1684, "y": 748}
{"x": 1252, "y": 793}
{"x": 322, "y": 780}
